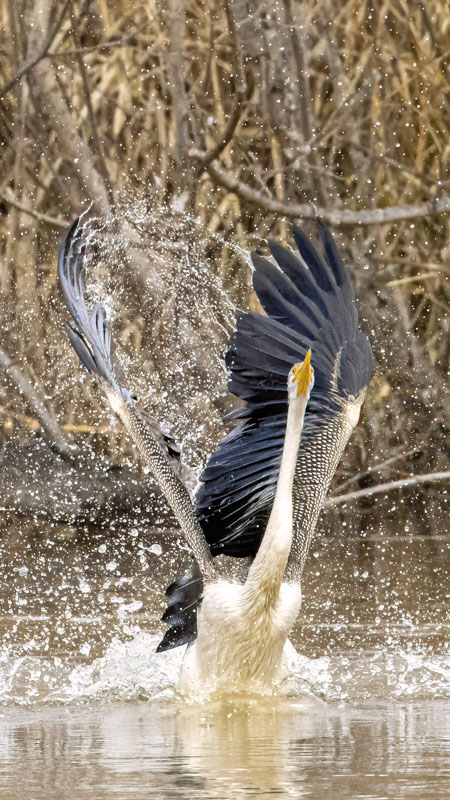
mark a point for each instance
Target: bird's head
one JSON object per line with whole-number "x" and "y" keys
{"x": 301, "y": 378}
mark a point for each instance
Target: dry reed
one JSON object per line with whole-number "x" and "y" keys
{"x": 249, "y": 120}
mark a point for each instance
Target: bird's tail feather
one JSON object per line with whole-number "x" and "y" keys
{"x": 181, "y": 614}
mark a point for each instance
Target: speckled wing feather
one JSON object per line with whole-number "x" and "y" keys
{"x": 91, "y": 339}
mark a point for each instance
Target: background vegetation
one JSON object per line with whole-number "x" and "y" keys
{"x": 246, "y": 116}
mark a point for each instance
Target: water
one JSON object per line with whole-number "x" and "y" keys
{"x": 90, "y": 711}
{"x": 284, "y": 749}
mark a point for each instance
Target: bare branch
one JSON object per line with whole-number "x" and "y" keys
{"x": 306, "y": 105}
{"x": 365, "y": 216}
{"x": 240, "y": 88}
{"x": 385, "y": 488}
{"x": 103, "y": 169}
{"x": 238, "y": 67}
{"x": 224, "y": 138}
{"x": 57, "y": 222}
{"x": 54, "y": 115}
{"x": 39, "y": 56}
{"x": 175, "y": 71}
{"x": 49, "y": 423}
{"x": 377, "y": 468}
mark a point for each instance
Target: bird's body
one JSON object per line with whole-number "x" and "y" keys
{"x": 242, "y": 641}
{"x": 263, "y": 489}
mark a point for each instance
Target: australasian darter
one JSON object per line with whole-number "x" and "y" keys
{"x": 302, "y": 370}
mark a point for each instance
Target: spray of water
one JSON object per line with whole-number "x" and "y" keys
{"x": 159, "y": 274}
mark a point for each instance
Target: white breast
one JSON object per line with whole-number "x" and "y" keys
{"x": 240, "y": 641}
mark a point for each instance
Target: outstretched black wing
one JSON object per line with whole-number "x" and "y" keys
{"x": 309, "y": 303}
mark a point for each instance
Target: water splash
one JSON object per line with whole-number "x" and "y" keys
{"x": 132, "y": 670}
{"x": 373, "y": 676}
{"x": 160, "y": 275}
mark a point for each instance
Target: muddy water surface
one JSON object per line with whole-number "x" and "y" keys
{"x": 89, "y": 711}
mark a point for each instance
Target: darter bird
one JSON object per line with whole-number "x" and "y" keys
{"x": 302, "y": 370}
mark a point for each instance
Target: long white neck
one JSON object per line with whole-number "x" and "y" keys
{"x": 266, "y": 573}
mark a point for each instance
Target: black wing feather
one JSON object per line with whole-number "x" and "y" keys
{"x": 310, "y": 303}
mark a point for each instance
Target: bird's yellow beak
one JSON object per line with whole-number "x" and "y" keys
{"x": 302, "y": 374}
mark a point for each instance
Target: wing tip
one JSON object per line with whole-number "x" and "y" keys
{"x": 90, "y": 333}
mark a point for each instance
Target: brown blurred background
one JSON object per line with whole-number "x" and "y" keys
{"x": 245, "y": 116}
